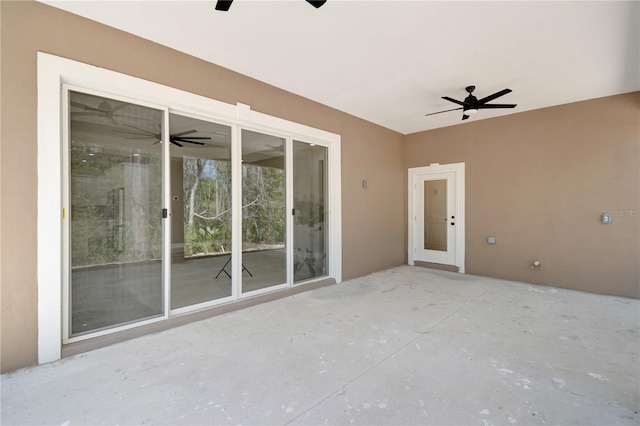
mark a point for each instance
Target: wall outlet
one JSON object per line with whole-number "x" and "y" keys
{"x": 491, "y": 240}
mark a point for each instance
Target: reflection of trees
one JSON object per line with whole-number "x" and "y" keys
{"x": 207, "y": 187}
{"x": 108, "y": 229}
{"x": 207, "y": 210}
{"x": 115, "y": 206}
{"x": 263, "y": 200}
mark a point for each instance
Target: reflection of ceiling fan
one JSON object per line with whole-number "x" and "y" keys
{"x": 175, "y": 138}
{"x": 104, "y": 109}
{"x": 275, "y": 149}
{"x": 224, "y": 5}
{"x": 471, "y": 104}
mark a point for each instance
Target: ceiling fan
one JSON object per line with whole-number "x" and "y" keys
{"x": 224, "y": 5}
{"x": 176, "y": 138}
{"x": 471, "y": 104}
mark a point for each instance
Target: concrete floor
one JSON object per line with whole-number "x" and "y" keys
{"x": 403, "y": 346}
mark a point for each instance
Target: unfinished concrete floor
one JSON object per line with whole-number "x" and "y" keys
{"x": 403, "y": 346}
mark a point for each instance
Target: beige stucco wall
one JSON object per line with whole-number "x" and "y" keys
{"x": 370, "y": 241}
{"x": 539, "y": 181}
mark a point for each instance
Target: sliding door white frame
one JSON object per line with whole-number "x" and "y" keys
{"x": 66, "y": 222}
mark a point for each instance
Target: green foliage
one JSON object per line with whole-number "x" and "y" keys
{"x": 115, "y": 205}
{"x": 207, "y": 207}
{"x": 263, "y": 200}
{"x": 208, "y": 214}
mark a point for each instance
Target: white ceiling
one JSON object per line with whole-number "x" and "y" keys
{"x": 389, "y": 62}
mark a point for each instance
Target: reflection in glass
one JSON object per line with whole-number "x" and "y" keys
{"x": 201, "y": 210}
{"x": 115, "y": 220}
{"x": 263, "y": 210}
{"x": 435, "y": 215}
{"x": 309, "y": 203}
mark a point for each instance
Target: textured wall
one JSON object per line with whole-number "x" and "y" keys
{"x": 539, "y": 181}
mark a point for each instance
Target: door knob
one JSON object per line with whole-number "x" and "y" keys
{"x": 452, "y": 223}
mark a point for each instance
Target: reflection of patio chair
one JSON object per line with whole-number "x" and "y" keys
{"x": 223, "y": 269}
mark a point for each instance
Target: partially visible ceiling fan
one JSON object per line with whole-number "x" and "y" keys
{"x": 471, "y": 104}
{"x": 175, "y": 138}
{"x": 104, "y": 109}
{"x": 224, "y": 5}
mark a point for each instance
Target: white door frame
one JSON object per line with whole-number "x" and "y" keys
{"x": 436, "y": 168}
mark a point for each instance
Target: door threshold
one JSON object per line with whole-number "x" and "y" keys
{"x": 438, "y": 266}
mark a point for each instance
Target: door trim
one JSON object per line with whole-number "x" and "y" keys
{"x": 459, "y": 170}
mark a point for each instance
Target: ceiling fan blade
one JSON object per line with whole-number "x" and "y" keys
{"x": 186, "y": 132}
{"x": 146, "y": 135}
{"x": 175, "y": 143}
{"x": 179, "y": 139}
{"x": 223, "y": 5}
{"x": 492, "y": 106}
{"x": 440, "y": 112}
{"x": 494, "y": 96}
{"x": 316, "y": 3}
{"x": 119, "y": 107}
{"x": 194, "y": 137}
{"x": 86, "y": 113}
{"x": 453, "y": 100}
{"x": 157, "y": 135}
{"x": 86, "y": 107}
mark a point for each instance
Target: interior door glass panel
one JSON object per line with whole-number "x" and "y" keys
{"x": 435, "y": 215}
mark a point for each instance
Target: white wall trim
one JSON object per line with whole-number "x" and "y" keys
{"x": 49, "y": 249}
{"x": 53, "y": 72}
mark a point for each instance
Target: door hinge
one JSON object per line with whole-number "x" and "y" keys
{"x": 165, "y": 213}
{"x": 293, "y": 212}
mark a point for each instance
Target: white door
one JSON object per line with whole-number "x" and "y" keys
{"x": 436, "y": 221}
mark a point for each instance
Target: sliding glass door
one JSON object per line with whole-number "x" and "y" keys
{"x": 310, "y": 225}
{"x": 115, "y": 203}
{"x": 156, "y": 198}
{"x": 200, "y": 211}
{"x": 264, "y": 257}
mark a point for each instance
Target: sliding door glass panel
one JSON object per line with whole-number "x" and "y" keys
{"x": 115, "y": 213}
{"x": 201, "y": 211}
{"x": 435, "y": 215}
{"x": 263, "y": 211}
{"x": 310, "y": 211}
